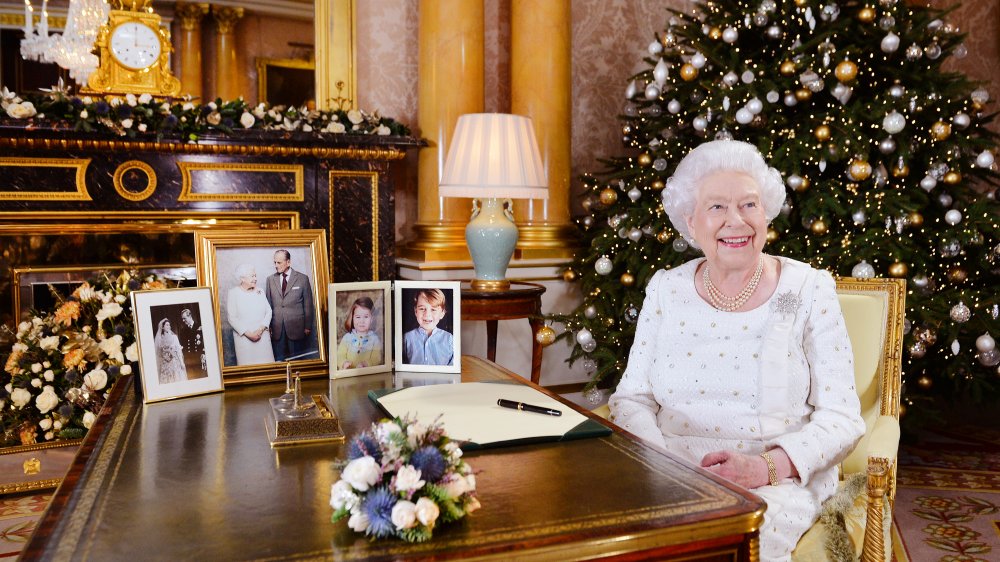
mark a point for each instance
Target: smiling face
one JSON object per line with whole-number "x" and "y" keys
{"x": 729, "y": 221}
{"x": 281, "y": 261}
{"x": 249, "y": 281}
{"x": 428, "y": 313}
{"x": 361, "y": 320}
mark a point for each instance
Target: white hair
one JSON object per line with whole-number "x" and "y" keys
{"x": 243, "y": 270}
{"x": 719, "y": 156}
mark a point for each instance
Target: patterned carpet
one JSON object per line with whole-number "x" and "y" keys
{"x": 948, "y": 500}
{"x": 947, "y": 504}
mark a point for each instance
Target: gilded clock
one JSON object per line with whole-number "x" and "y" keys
{"x": 134, "y": 54}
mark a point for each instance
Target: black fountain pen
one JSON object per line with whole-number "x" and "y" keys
{"x": 527, "y": 407}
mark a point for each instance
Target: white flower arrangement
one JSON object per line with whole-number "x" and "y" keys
{"x": 401, "y": 479}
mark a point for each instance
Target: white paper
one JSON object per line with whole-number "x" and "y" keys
{"x": 469, "y": 411}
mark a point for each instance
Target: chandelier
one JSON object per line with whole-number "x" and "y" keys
{"x": 72, "y": 49}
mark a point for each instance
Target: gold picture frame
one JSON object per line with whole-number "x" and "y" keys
{"x": 289, "y": 82}
{"x": 252, "y": 306}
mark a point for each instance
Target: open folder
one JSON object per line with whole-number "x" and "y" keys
{"x": 470, "y": 413}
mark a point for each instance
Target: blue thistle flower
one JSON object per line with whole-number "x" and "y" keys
{"x": 113, "y": 371}
{"x": 76, "y": 102}
{"x": 134, "y": 284}
{"x": 102, "y": 107}
{"x": 429, "y": 462}
{"x": 66, "y": 410}
{"x": 362, "y": 445}
{"x": 170, "y": 121}
{"x": 124, "y": 111}
{"x": 72, "y": 376}
{"x": 228, "y": 122}
{"x": 377, "y": 505}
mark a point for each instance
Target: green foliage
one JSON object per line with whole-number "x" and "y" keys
{"x": 855, "y": 191}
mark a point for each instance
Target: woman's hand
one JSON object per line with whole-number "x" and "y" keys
{"x": 746, "y": 470}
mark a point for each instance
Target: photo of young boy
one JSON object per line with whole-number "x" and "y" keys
{"x": 427, "y": 324}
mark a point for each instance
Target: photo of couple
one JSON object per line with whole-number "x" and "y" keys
{"x": 179, "y": 343}
{"x": 268, "y": 305}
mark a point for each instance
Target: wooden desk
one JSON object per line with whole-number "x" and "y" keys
{"x": 195, "y": 479}
{"x": 522, "y": 300}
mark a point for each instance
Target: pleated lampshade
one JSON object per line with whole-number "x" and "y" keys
{"x": 494, "y": 155}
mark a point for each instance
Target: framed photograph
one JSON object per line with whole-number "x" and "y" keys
{"x": 270, "y": 293}
{"x": 178, "y": 343}
{"x": 428, "y": 326}
{"x": 360, "y": 328}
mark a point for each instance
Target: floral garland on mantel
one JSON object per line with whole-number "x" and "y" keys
{"x": 132, "y": 116}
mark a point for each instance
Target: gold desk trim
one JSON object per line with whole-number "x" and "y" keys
{"x": 135, "y": 195}
{"x": 350, "y": 153}
{"x": 80, "y": 164}
{"x": 30, "y": 486}
{"x": 187, "y": 181}
{"x": 373, "y": 177}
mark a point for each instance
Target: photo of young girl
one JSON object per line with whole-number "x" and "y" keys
{"x": 359, "y": 328}
{"x": 360, "y": 346}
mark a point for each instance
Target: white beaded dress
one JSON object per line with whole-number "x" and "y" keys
{"x": 700, "y": 380}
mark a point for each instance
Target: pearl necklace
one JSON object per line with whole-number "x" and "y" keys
{"x": 727, "y": 303}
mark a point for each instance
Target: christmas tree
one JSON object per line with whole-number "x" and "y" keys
{"x": 889, "y": 168}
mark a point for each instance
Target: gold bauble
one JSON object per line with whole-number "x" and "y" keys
{"x": 658, "y": 185}
{"x": 803, "y": 185}
{"x": 898, "y": 269}
{"x": 940, "y": 130}
{"x": 846, "y": 71}
{"x": 866, "y": 14}
{"x": 822, "y": 133}
{"x": 803, "y": 94}
{"x": 801, "y": 3}
{"x": 772, "y": 235}
{"x": 915, "y": 218}
{"x": 925, "y": 382}
{"x": 587, "y": 203}
{"x": 977, "y": 106}
{"x": 569, "y": 275}
{"x": 628, "y": 279}
{"x": 901, "y": 171}
{"x": 818, "y": 227}
{"x": 545, "y": 336}
{"x": 663, "y": 237}
{"x": 957, "y": 274}
{"x": 645, "y": 159}
{"x": 688, "y": 72}
{"x": 608, "y": 196}
{"x": 859, "y": 169}
{"x": 787, "y": 68}
{"x": 952, "y": 177}
{"x": 715, "y": 33}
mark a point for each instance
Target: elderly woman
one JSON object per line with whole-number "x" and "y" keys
{"x": 741, "y": 361}
{"x": 249, "y": 314}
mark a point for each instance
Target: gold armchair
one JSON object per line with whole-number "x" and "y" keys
{"x": 874, "y": 310}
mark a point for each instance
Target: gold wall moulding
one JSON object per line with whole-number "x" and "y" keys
{"x": 188, "y": 192}
{"x": 56, "y": 23}
{"x": 285, "y": 81}
{"x": 79, "y": 178}
{"x": 348, "y": 153}
{"x": 142, "y": 167}
{"x": 373, "y": 178}
{"x": 157, "y": 222}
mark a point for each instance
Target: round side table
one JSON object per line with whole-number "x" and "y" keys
{"x": 522, "y": 300}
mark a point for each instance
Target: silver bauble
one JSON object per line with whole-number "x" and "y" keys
{"x": 594, "y": 395}
{"x": 632, "y": 314}
{"x": 890, "y": 43}
{"x": 659, "y": 165}
{"x": 772, "y": 96}
{"x": 589, "y": 365}
{"x": 699, "y": 123}
{"x": 863, "y": 270}
{"x": 679, "y": 244}
{"x": 986, "y": 342}
{"x": 859, "y": 217}
{"x": 945, "y": 200}
{"x": 652, "y": 92}
{"x": 989, "y": 358}
{"x": 655, "y": 48}
{"x": 928, "y": 183}
{"x": 773, "y": 32}
{"x": 589, "y": 346}
{"x": 933, "y": 51}
{"x": 730, "y": 35}
{"x": 730, "y": 79}
{"x": 961, "y": 120}
{"x": 918, "y": 349}
{"x": 674, "y": 107}
{"x": 897, "y": 91}
{"x": 590, "y": 312}
{"x": 914, "y": 52}
{"x": 953, "y": 217}
{"x": 635, "y": 235}
{"x": 588, "y": 221}
{"x": 747, "y": 77}
{"x": 723, "y": 134}
{"x": 960, "y": 313}
{"x": 743, "y": 116}
{"x": 920, "y": 281}
{"x": 980, "y": 95}
{"x": 661, "y": 72}
{"x": 985, "y": 159}
{"x": 584, "y": 336}
{"x": 755, "y": 106}
{"x": 886, "y": 23}
{"x": 603, "y": 265}
{"x": 698, "y": 60}
{"x": 960, "y": 51}
{"x": 791, "y": 100}
{"x": 887, "y": 145}
{"x": 794, "y": 181}
{"x": 893, "y": 122}
{"x": 634, "y": 194}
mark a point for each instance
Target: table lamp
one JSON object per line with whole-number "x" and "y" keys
{"x": 493, "y": 158}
